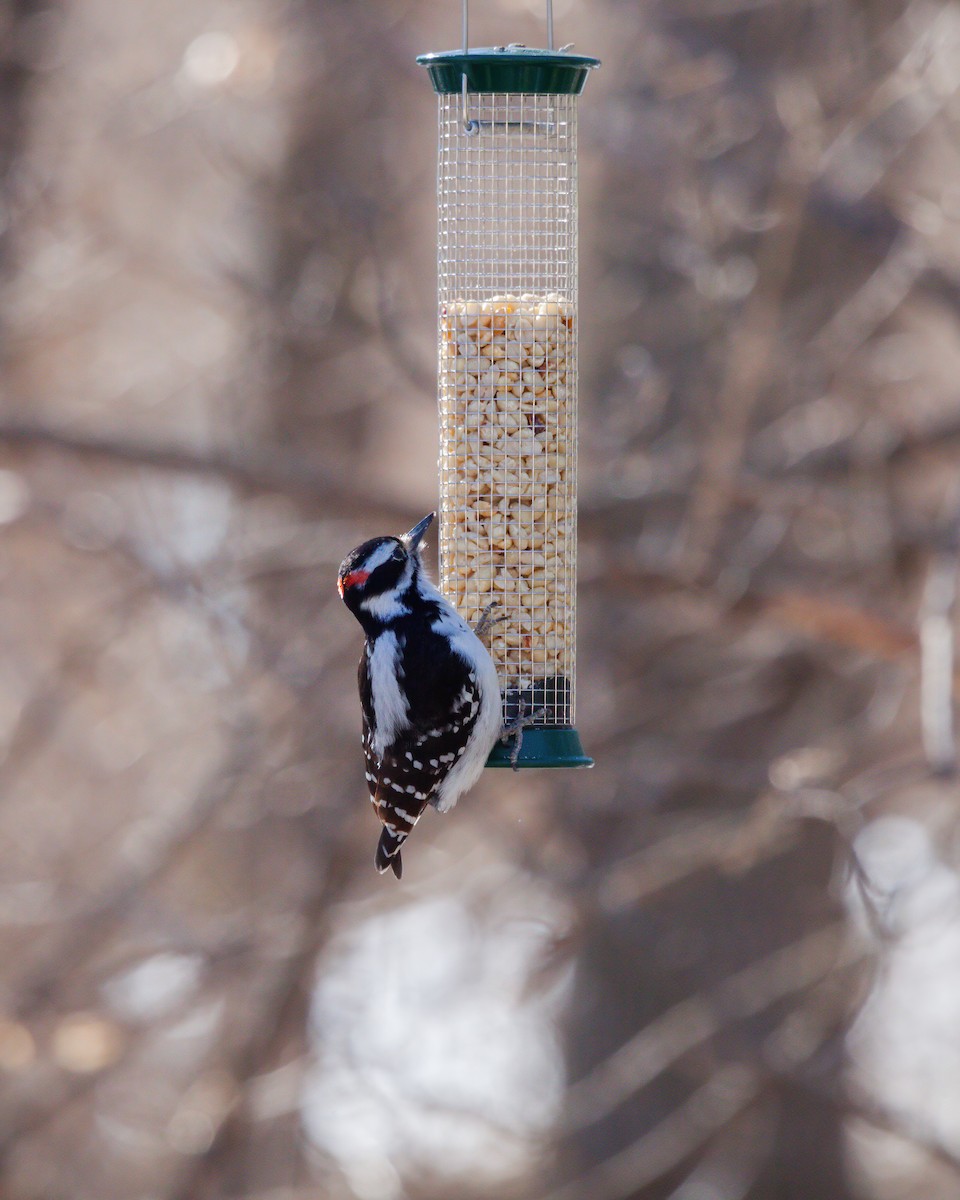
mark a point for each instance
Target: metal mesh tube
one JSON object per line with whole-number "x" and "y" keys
{"x": 508, "y": 385}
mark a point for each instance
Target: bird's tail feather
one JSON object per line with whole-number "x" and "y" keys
{"x": 388, "y": 852}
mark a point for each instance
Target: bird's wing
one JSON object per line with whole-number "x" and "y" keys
{"x": 444, "y": 708}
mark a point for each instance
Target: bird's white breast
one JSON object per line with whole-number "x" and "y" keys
{"x": 389, "y": 705}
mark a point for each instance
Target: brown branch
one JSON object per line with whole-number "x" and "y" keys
{"x": 341, "y": 493}
{"x": 855, "y": 1103}
{"x": 749, "y": 362}
{"x": 689, "y": 1024}
{"x": 87, "y": 932}
{"x": 262, "y": 469}
{"x": 281, "y": 1016}
{"x": 937, "y": 657}
{"x": 670, "y": 1143}
{"x": 820, "y": 618}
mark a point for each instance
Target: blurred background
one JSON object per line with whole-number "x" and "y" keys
{"x": 724, "y": 964}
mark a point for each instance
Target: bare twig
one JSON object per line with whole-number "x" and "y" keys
{"x": 86, "y": 932}
{"x": 820, "y": 618}
{"x": 664, "y": 1041}
{"x": 262, "y": 469}
{"x": 281, "y": 1018}
{"x": 749, "y": 363}
{"x": 713, "y": 1106}
{"x": 937, "y": 664}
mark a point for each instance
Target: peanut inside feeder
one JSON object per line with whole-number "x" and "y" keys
{"x": 507, "y": 322}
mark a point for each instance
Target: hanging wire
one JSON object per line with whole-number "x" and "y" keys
{"x": 469, "y": 125}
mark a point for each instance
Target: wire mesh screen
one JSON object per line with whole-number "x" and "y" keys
{"x": 508, "y": 385}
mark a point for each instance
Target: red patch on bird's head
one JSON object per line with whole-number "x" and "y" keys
{"x": 351, "y": 579}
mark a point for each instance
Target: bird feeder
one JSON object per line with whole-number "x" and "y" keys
{"x": 507, "y": 385}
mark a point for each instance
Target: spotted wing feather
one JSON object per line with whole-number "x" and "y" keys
{"x": 444, "y": 705}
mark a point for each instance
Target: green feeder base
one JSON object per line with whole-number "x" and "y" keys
{"x": 543, "y": 746}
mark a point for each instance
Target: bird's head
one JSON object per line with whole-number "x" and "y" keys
{"x": 374, "y": 579}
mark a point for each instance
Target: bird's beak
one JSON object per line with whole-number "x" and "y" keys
{"x": 413, "y": 537}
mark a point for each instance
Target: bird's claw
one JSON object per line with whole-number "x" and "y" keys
{"x": 487, "y": 622}
{"x": 516, "y": 727}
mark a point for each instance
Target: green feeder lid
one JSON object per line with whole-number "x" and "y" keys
{"x": 543, "y": 746}
{"x": 515, "y": 68}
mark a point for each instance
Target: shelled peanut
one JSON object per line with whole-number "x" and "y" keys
{"x": 507, "y": 472}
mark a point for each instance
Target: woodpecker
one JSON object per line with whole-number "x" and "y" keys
{"x": 428, "y": 688}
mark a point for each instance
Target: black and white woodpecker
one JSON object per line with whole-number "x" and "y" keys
{"x": 428, "y": 688}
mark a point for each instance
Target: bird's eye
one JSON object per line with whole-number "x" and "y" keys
{"x": 398, "y": 553}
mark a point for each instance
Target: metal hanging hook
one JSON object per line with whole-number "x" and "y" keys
{"x": 470, "y": 126}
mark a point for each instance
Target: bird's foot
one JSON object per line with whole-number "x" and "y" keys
{"x": 487, "y": 622}
{"x": 514, "y": 729}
